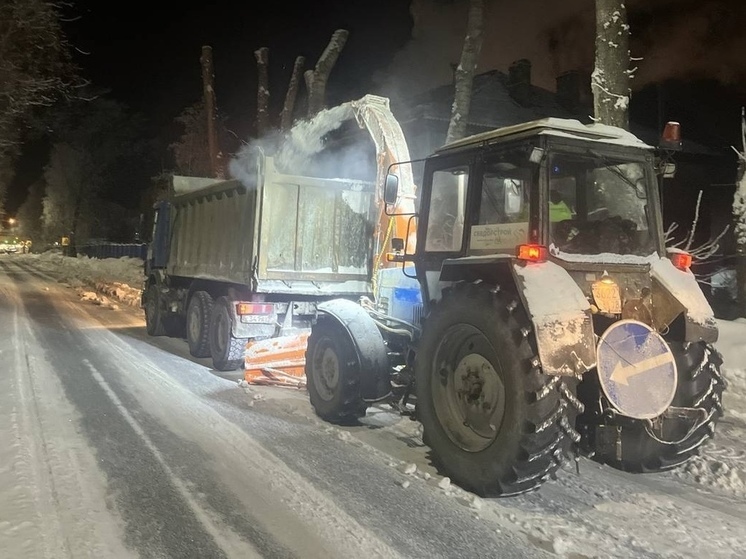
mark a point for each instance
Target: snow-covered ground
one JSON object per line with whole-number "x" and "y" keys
{"x": 114, "y": 281}
{"x": 601, "y": 513}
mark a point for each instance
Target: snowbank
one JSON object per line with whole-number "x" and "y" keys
{"x": 722, "y": 463}
{"x": 119, "y": 278}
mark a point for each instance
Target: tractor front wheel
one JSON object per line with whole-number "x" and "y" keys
{"x": 333, "y": 373}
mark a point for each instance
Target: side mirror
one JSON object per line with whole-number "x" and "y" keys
{"x": 391, "y": 189}
{"x": 536, "y": 155}
{"x": 669, "y": 169}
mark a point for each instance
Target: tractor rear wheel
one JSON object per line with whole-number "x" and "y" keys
{"x": 700, "y": 385}
{"x": 497, "y": 424}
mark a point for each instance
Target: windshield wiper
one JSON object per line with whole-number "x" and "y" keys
{"x": 612, "y": 166}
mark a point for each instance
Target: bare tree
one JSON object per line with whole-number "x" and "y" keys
{"x": 35, "y": 68}
{"x": 30, "y": 212}
{"x": 611, "y": 76}
{"x": 286, "y": 116}
{"x": 262, "y": 94}
{"x": 465, "y": 71}
{"x": 317, "y": 78}
{"x": 739, "y": 212}
{"x": 191, "y": 150}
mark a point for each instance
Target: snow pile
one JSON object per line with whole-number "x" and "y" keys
{"x": 118, "y": 278}
{"x": 722, "y": 463}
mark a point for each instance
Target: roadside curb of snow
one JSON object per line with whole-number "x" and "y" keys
{"x": 102, "y": 291}
{"x": 122, "y": 292}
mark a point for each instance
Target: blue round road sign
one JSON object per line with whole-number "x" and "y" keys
{"x": 636, "y": 369}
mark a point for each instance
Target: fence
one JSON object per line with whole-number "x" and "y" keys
{"x": 113, "y": 250}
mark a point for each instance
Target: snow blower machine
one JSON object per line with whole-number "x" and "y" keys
{"x": 533, "y": 310}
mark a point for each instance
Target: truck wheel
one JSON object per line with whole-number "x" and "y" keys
{"x": 333, "y": 373}
{"x": 154, "y": 312}
{"x": 227, "y": 352}
{"x": 496, "y": 423}
{"x": 700, "y": 385}
{"x": 199, "y": 314}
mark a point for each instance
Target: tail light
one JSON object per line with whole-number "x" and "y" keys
{"x": 532, "y": 253}
{"x": 254, "y": 308}
{"x": 681, "y": 260}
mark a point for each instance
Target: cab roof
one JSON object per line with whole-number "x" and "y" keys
{"x": 558, "y": 127}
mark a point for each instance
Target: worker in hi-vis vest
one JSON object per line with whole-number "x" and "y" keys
{"x": 558, "y": 209}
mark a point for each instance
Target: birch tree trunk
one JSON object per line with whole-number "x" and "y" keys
{"x": 262, "y": 94}
{"x": 316, "y": 80}
{"x": 739, "y": 212}
{"x": 464, "y": 78}
{"x": 286, "y": 116}
{"x": 610, "y": 79}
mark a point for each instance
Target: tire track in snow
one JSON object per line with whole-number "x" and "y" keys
{"x": 158, "y": 522}
{"x": 53, "y": 510}
{"x": 291, "y": 507}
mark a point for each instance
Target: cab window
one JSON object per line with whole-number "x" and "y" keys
{"x": 503, "y": 216}
{"x": 445, "y": 222}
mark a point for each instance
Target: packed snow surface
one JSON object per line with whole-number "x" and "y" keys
{"x": 695, "y": 511}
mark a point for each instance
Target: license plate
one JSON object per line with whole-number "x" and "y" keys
{"x": 607, "y": 297}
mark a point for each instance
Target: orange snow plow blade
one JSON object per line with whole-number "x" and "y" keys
{"x": 277, "y": 361}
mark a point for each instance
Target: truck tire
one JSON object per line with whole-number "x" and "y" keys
{"x": 497, "y": 424}
{"x": 333, "y": 373}
{"x": 154, "y": 311}
{"x": 226, "y": 351}
{"x": 700, "y": 385}
{"x": 199, "y": 314}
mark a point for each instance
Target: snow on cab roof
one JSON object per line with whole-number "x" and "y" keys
{"x": 559, "y": 127}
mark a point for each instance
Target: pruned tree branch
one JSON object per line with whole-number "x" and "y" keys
{"x": 262, "y": 94}
{"x": 317, "y": 80}
{"x": 286, "y": 116}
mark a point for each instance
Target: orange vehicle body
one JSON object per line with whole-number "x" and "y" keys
{"x": 281, "y": 360}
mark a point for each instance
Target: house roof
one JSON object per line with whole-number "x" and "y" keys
{"x": 492, "y": 104}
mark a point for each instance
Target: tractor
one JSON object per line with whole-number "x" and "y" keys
{"x": 538, "y": 316}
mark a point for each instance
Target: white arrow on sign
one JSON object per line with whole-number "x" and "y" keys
{"x": 622, "y": 374}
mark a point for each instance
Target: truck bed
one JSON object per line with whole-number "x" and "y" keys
{"x": 281, "y": 234}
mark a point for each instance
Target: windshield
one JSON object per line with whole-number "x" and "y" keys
{"x": 599, "y": 204}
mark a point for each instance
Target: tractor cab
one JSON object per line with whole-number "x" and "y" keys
{"x": 551, "y": 189}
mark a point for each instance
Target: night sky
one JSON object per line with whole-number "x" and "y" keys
{"x": 147, "y": 53}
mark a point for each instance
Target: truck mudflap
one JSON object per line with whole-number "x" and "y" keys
{"x": 561, "y": 316}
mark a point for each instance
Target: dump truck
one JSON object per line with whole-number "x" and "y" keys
{"x": 538, "y": 314}
{"x": 233, "y": 261}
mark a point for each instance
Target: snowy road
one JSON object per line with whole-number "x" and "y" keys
{"x": 114, "y": 444}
